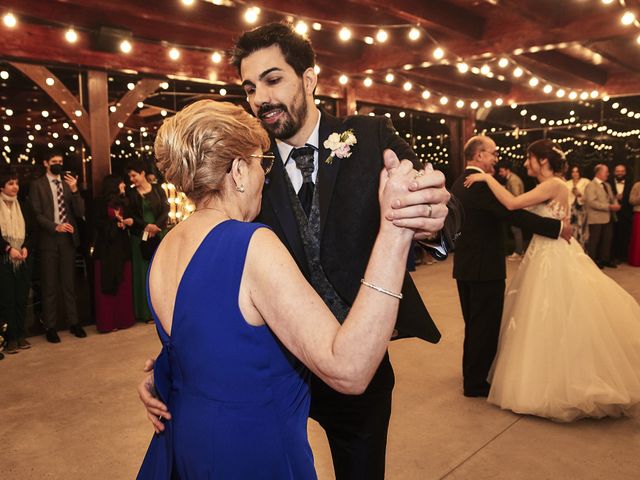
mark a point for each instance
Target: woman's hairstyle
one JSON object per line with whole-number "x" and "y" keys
{"x": 542, "y": 149}
{"x": 111, "y": 189}
{"x": 196, "y": 147}
{"x": 137, "y": 166}
{"x": 6, "y": 175}
{"x": 570, "y": 171}
{"x": 297, "y": 51}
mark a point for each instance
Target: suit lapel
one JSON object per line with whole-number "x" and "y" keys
{"x": 327, "y": 173}
{"x": 275, "y": 192}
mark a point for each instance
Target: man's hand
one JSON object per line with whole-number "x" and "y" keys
{"x": 423, "y": 208}
{"x": 72, "y": 182}
{"x": 614, "y": 207}
{"x": 64, "y": 228}
{"x": 155, "y": 408}
{"x": 567, "y": 231}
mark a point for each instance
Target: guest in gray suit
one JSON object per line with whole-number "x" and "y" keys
{"x": 516, "y": 187}
{"x": 58, "y": 206}
{"x": 601, "y": 203}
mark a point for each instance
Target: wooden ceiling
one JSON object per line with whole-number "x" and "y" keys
{"x": 572, "y": 45}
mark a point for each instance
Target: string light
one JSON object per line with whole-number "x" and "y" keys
{"x": 547, "y": 89}
{"x": 503, "y": 62}
{"x": 316, "y": 26}
{"x": 533, "y": 82}
{"x": 125, "y": 46}
{"x": 389, "y": 77}
{"x": 407, "y": 86}
{"x": 188, "y": 3}
{"x": 174, "y": 54}
{"x": 426, "y": 94}
{"x": 4, "y": 75}
{"x": 517, "y": 72}
{"x": 301, "y": 28}
{"x": 463, "y": 67}
{"x": 414, "y": 34}
{"x": 251, "y": 15}
{"x": 444, "y": 100}
{"x": 50, "y": 81}
{"x": 367, "y": 82}
{"x": 9, "y": 20}
{"x": 71, "y": 36}
{"x": 343, "y": 79}
{"x": 474, "y": 105}
{"x": 344, "y": 34}
{"x": 573, "y": 95}
{"x": 382, "y": 36}
{"x": 628, "y": 18}
{"x": 216, "y": 57}
{"x": 460, "y": 103}
{"x": 438, "y": 53}
{"x": 316, "y": 69}
{"x": 369, "y": 40}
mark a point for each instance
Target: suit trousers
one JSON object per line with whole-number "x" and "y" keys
{"x": 482, "y": 304}
{"x": 600, "y": 236}
{"x": 518, "y": 241}
{"x": 57, "y": 268}
{"x": 13, "y": 297}
{"x": 356, "y": 425}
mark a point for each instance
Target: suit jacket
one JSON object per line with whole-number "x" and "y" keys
{"x": 480, "y": 249}
{"x": 42, "y": 200}
{"x": 157, "y": 202}
{"x": 597, "y": 199}
{"x": 626, "y": 210}
{"x": 30, "y": 226}
{"x": 349, "y": 214}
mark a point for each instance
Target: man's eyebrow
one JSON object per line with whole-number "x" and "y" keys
{"x": 261, "y": 76}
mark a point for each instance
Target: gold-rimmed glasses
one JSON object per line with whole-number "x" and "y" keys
{"x": 266, "y": 161}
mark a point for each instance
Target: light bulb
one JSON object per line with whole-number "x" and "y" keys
{"x": 382, "y": 36}
{"x": 414, "y": 34}
{"x": 438, "y": 54}
{"x": 125, "y": 46}
{"x": 345, "y": 34}
{"x": 71, "y": 36}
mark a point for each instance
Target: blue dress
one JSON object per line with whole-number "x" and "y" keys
{"x": 239, "y": 400}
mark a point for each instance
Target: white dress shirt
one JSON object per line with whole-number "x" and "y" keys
{"x": 619, "y": 187}
{"x": 295, "y": 175}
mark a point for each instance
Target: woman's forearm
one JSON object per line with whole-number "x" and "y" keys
{"x": 502, "y": 194}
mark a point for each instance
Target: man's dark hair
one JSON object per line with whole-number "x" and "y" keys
{"x": 44, "y": 154}
{"x": 296, "y": 49}
{"x": 137, "y": 166}
{"x": 504, "y": 164}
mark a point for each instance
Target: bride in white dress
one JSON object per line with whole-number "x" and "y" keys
{"x": 570, "y": 336}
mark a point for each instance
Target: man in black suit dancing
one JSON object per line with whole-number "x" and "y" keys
{"x": 321, "y": 200}
{"x": 479, "y": 266}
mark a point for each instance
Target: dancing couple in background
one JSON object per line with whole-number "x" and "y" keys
{"x": 569, "y": 341}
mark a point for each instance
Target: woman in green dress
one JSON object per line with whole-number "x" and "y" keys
{"x": 149, "y": 209}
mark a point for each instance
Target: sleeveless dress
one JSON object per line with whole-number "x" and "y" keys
{"x": 570, "y": 336}
{"x": 239, "y": 400}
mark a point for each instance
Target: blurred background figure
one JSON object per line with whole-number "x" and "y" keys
{"x": 621, "y": 184}
{"x": 577, "y": 185}
{"x": 514, "y": 184}
{"x": 112, "y": 258}
{"x": 18, "y": 237}
{"x": 634, "y": 243}
{"x": 149, "y": 209}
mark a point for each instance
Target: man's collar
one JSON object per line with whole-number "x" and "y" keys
{"x": 472, "y": 167}
{"x": 53, "y": 178}
{"x": 314, "y": 140}
{"x": 597, "y": 180}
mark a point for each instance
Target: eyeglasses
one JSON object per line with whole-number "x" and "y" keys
{"x": 492, "y": 152}
{"x": 266, "y": 161}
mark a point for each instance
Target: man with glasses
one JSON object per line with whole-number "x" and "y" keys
{"x": 479, "y": 265}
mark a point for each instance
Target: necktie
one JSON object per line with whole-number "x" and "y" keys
{"x": 303, "y": 157}
{"x": 62, "y": 211}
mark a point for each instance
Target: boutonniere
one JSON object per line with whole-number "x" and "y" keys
{"x": 340, "y": 145}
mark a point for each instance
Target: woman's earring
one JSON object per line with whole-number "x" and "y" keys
{"x": 240, "y": 188}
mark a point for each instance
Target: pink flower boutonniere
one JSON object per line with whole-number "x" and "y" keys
{"x": 340, "y": 145}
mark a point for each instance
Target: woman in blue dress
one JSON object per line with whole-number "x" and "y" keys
{"x": 239, "y": 324}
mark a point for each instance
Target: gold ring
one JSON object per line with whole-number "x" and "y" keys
{"x": 430, "y": 210}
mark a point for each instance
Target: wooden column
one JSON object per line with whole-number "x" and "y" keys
{"x": 346, "y": 105}
{"x": 461, "y": 130}
{"x": 99, "y": 120}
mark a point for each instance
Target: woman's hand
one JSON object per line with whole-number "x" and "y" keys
{"x": 475, "y": 177}
{"x": 24, "y": 252}
{"x": 394, "y": 184}
{"x": 14, "y": 254}
{"x": 152, "y": 229}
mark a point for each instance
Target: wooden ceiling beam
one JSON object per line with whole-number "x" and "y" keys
{"x": 438, "y": 14}
{"x": 570, "y": 66}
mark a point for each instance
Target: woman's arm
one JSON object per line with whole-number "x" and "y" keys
{"x": 345, "y": 357}
{"x": 543, "y": 192}
{"x": 634, "y": 196}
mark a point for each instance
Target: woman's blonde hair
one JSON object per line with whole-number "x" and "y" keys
{"x": 196, "y": 147}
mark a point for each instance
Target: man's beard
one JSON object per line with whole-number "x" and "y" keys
{"x": 292, "y": 121}
{"x": 620, "y": 177}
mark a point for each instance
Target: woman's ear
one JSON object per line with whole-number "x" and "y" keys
{"x": 239, "y": 169}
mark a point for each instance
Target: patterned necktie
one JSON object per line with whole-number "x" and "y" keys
{"x": 62, "y": 211}
{"x": 303, "y": 157}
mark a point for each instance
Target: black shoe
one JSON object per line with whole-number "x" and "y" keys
{"x": 78, "y": 331}
{"x": 610, "y": 265}
{"x": 1, "y": 355}
{"x": 52, "y": 336}
{"x": 12, "y": 347}
{"x": 476, "y": 393}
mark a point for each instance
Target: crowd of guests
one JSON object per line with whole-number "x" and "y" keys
{"x": 605, "y": 213}
{"x": 40, "y": 237}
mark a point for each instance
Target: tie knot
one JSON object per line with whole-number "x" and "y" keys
{"x": 303, "y": 157}
{"x": 57, "y": 182}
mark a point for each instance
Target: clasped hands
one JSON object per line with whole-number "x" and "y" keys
{"x": 420, "y": 199}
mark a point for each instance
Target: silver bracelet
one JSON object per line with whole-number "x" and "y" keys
{"x": 381, "y": 290}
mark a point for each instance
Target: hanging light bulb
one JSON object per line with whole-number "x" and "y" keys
{"x": 573, "y": 95}
{"x": 344, "y": 34}
{"x": 517, "y": 72}
{"x": 533, "y": 82}
{"x": 251, "y": 14}
{"x": 460, "y": 103}
{"x": 499, "y": 102}
{"x": 343, "y": 79}
{"x": 174, "y": 54}
{"x": 560, "y": 93}
{"x": 444, "y": 100}
{"x": 414, "y": 34}
{"x": 503, "y": 62}
{"x": 628, "y": 18}
{"x": 71, "y": 36}
{"x": 389, "y": 77}
{"x": 301, "y": 28}
{"x": 426, "y": 94}
{"x": 125, "y": 46}
{"x": 316, "y": 26}
{"x": 382, "y": 36}
{"x": 216, "y": 57}
{"x": 474, "y": 105}
{"x": 367, "y": 82}
{"x": 485, "y": 70}
{"x": 584, "y": 96}
{"x": 438, "y": 54}
{"x": 407, "y": 86}
{"x": 487, "y": 104}
{"x": 594, "y": 94}
{"x": 9, "y": 20}
{"x": 547, "y": 89}
{"x": 463, "y": 67}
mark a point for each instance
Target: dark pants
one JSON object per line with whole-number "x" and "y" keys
{"x": 356, "y": 425}
{"x": 57, "y": 267}
{"x": 13, "y": 297}
{"x": 600, "y": 236}
{"x": 482, "y": 304}
{"x": 621, "y": 238}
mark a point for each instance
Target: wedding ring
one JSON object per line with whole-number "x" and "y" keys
{"x": 430, "y": 210}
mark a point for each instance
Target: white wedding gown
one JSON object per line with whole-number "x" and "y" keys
{"x": 570, "y": 336}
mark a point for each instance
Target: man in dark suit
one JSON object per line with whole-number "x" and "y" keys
{"x": 621, "y": 186}
{"x": 58, "y": 206}
{"x": 479, "y": 266}
{"x": 321, "y": 200}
